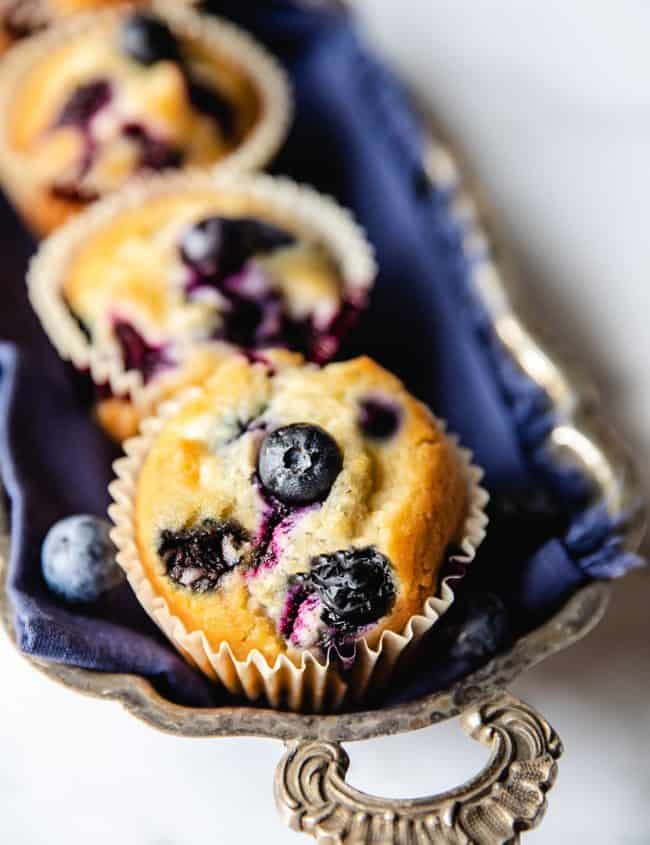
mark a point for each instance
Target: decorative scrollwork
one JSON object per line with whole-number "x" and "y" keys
{"x": 506, "y": 798}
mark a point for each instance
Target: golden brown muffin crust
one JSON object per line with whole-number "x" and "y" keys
{"x": 405, "y": 495}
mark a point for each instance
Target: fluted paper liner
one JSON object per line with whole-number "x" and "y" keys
{"x": 281, "y": 200}
{"x": 313, "y": 685}
{"x": 258, "y": 65}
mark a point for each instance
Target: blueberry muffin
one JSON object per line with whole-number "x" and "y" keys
{"x": 100, "y": 99}
{"x": 149, "y": 289}
{"x": 290, "y": 510}
{"x": 20, "y": 18}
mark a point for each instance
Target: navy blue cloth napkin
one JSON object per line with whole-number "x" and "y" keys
{"x": 356, "y": 136}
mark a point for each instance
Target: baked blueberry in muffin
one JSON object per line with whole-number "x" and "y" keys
{"x": 103, "y": 98}
{"x": 266, "y": 517}
{"x": 150, "y": 291}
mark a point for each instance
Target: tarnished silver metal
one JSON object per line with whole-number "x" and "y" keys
{"x": 509, "y": 795}
{"x": 506, "y": 798}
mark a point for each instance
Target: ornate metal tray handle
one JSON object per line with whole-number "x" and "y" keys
{"x": 506, "y": 798}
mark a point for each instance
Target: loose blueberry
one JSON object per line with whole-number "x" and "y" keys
{"x": 379, "y": 418}
{"x": 137, "y": 353}
{"x": 299, "y": 463}
{"x": 198, "y": 558}
{"x": 84, "y": 103}
{"x": 484, "y": 628}
{"x": 78, "y": 559}
{"x": 148, "y": 40}
{"x": 218, "y": 247}
{"x": 355, "y": 585}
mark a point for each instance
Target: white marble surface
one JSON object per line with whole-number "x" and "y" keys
{"x": 551, "y": 103}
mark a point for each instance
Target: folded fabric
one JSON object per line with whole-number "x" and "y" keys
{"x": 357, "y": 136}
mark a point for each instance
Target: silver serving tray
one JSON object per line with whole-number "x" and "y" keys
{"x": 509, "y": 795}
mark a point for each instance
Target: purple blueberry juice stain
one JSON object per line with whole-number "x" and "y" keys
{"x": 304, "y": 619}
{"x": 321, "y": 343}
{"x": 137, "y": 353}
{"x": 282, "y": 531}
{"x": 297, "y": 594}
{"x": 218, "y": 251}
{"x": 302, "y": 609}
{"x": 379, "y": 417}
{"x": 80, "y": 110}
{"x": 277, "y": 523}
{"x": 84, "y": 104}
{"x": 154, "y": 153}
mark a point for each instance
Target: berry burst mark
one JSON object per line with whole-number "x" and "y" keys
{"x": 137, "y": 353}
{"x": 199, "y": 557}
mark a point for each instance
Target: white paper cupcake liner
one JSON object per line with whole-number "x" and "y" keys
{"x": 18, "y": 172}
{"x": 313, "y": 685}
{"x": 276, "y": 199}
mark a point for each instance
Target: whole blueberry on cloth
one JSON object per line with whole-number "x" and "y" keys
{"x": 78, "y": 559}
{"x": 484, "y": 628}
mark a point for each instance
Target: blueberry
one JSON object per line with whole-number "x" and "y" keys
{"x": 148, "y": 40}
{"x": 483, "y": 630}
{"x": 218, "y": 247}
{"x": 201, "y": 246}
{"x": 78, "y": 559}
{"x": 379, "y": 418}
{"x": 84, "y": 103}
{"x": 256, "y": 236}
{"x": 355, "y": 585}
{"x": 299, "y": 463}
{"x": 199, "y": 557}
{"x": 137, "y": 353}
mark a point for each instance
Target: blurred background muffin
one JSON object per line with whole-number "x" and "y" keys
{"x": 20, "y": 18}
{"x": 151, "y": 288}
{"x": 99, "y": 99}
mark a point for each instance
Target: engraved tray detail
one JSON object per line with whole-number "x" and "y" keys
{"x": 508, "y": 796}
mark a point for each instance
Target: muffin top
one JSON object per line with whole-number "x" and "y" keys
{"x": 290, "y": 508}
{"x": 99, "y": 99}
